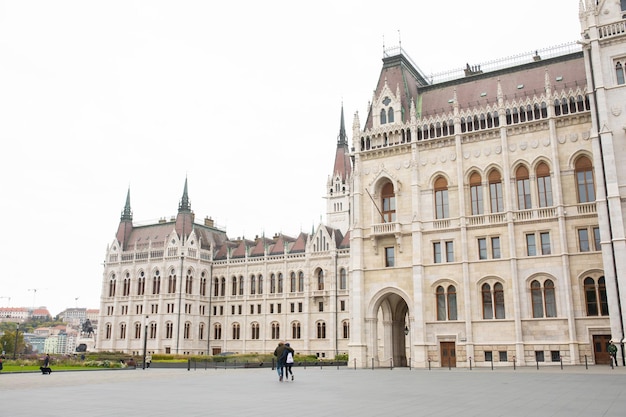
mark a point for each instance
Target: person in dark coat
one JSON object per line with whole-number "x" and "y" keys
{"x": 280, "y": 360}
{"x": 46, "y": 361}
{"x": 288, "y": 353}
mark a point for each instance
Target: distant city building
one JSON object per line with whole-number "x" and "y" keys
{"x": 476, "y": 218}
{"x": 21, "y": 314}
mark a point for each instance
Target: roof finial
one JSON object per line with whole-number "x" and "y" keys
{"x": 341, "y": 139}
{"x": 127, "y": 214}
{"x": 184, "y": 205}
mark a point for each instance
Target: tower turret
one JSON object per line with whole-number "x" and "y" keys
{"x": 126, "y": 223}
{"x": 338, "y": 201}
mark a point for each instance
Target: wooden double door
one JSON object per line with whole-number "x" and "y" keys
{"x": 600, "y": 353}
{"x": 448, "y": 354}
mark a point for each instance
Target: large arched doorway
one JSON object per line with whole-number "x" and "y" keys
{"x": 391, "y": 330}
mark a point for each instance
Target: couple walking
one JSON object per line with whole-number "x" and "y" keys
{"x": 284, "y": 356}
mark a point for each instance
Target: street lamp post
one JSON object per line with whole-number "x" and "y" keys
{"x": 145, "y": 344}
{"x": 17, "y": 332}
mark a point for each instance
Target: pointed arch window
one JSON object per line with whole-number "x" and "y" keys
{"x": 388, "y": 203}
{"x": 495, "y": 191}
{"x": 300, "y": 281}
{"x": 260, "y": 284}
{"x": 169, "y": 330}
{"x": 241, "y": 284}
{"x": 390, "y": 115}
{"x": 201, "y": 331}
{"x": 544, "y": 185}
{"x": 320, "y": 279}
{"x": 280, "y": 283}
{"x": 236, "y": 331}
{"x": 476, "y": 194}
{"x": 216, "y": 287}
{"x": 234, "y": 285}
{"x": 272, "y": 284}
{"x": 292, "y": 282}
{"x": 112, "y": 286}
{"x": 343, "y": 279}
{"x": 252, "y": 285}
{"x": 203, "y": 282}
{"x": 619, "y": 73}
{"x": 217, "y": 331}
{"x": 383, "y": 116}
{"x": 141, "y": 284}
{"x": 523, "y": 188}
{"x": 584, "y": 180}
{"x": 595, "y": 297}
{"x": 346, "y": 329}
{"x": 275, "y": 331}
{"x": 442, "y": 209}
{"x": 446, "y": 303}
{"x": 156, "y": 283}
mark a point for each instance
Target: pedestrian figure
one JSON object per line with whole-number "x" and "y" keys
{"x": 288, "y": 353}
{"x": 46, "y": 361}
{"x": 612, "y": 349}
{"x": 280, "y": 359}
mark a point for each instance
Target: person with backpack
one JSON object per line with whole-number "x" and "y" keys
{"x": 288, "y": 353}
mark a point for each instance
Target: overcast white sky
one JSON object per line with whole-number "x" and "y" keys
{"x": 242, "y": 98}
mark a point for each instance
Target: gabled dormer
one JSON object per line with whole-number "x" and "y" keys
{"x": 387, "y": 106}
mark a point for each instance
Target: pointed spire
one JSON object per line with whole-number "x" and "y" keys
{"x": 342, "y": 138}
{"x": 342, "y": 166}
{"x": 127, "y": 214}
{"x": 184, "y": 206}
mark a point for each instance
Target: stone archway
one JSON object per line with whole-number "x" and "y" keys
{"x": 390, "y": 328}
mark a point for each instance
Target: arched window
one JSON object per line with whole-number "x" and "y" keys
{"x": 441, "y": 198}
{"x": 388, "y": 203}
{"x": 383, "y": 116}
{"x": 260, "y": 284}
{"x": 321, "y": 330}
{"x": 300, "y": 281}
{"x": 557, "y": 107}
{"x": 523, "y": 188}
{"x": 137, "y": 330}
{"x": 217, "y": 332}
{"x": 141, "y": 284}
{"x": 216, "y": 287}
{"x": 446, "y": 303}
{"x": 234, "y": 285}
{"x": 584, "y": 180}
{"x": 320, "y": 279}
{"x": 543, "y": 299}
{"x": 171, "y": 282}
{"x": 201, "y": 331}
{"x": 346, "y": 329}
{"x": 189, "y": 282}
{"x": 241, "y": 284}
{"x": 169, "y": 330}
{"x": 126, "y": 287}
{"x": 112, "y": 286}
{"x": 544, "y": 185}
{"x": 292, "y": 282}
{"x": 153, "y": 330}
{"x": 487, "y": 301}
{"x": 272, "y": 284}
{"x": 343, "y": 279}
{"x": 493, "y": 302}
{"x": 156, "y": 283}
{"x": 123, "y": 331}
{"x": 275, "y": 331}
{"x": 476, "y": 193}
{"x": 252, "y": 285}
{"x": 223, "y": 287}
{"x": 203, "y": 283}
{"x": 595, "y": 297}
{"x": 495, "y": 191}
{"x": 108, "y": 331}
{"x": 295, "y": 330}
{"x": 619, "y": 73}
{"x": 236, "y": 331}
{"x": 255, "y": 330}
{"x": 280, "y": 283}
{"x": 187, "y": 330}
{"x": 390, "y": 115}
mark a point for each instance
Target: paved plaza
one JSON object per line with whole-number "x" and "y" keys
{"x": 573, "y": 391}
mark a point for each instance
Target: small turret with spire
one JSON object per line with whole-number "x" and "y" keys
{"x": 126, "y": 223}
{"x": 338, "y": 201}
{"x": 185, "y": 217}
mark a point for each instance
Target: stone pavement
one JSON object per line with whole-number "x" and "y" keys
{"x": 549, "y": 391}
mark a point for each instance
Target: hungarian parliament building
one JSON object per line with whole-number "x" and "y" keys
{"x": 473, "y": 217}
